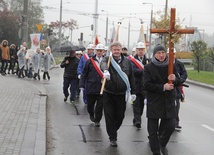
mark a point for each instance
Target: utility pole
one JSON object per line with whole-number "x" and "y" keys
{"x": 60, "y": 23}
{"x": 24, "y": 32}
{"x": 128, "y": 34}
{"x": 95, "y": 16}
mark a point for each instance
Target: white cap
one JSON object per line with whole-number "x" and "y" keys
{"x": 173, "y": 50}
{"x": 140, "y": 45}
{"x": 78, "y": 52}
{"x": 134, "y": 49}
{"x": 99, "y": 47}
{"x": 106, "y": 48}
{"x": 90, "y": 46}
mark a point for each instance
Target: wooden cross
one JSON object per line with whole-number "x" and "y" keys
{"x": 172, "y": 31}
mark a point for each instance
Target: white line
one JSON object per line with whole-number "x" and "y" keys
{"x": 208, "y": 127}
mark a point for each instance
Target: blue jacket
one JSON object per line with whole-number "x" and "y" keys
{"x": 81, "y": 65}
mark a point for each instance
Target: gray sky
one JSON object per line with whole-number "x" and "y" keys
{"x": 195, "y": 13}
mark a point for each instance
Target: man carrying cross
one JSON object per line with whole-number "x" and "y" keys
{"x": 160, "y": 79}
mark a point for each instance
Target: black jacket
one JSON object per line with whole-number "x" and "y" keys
{"x": 138, "y": 74}
{"x": 90, "y": 78}
{"x": 160, "y": 103}
{"x": 70, "y": 68}
{"x": 116, "y": 85}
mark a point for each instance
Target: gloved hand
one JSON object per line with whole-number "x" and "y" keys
{"x": 133, "y": 97}
{"x": 79, "y": 76}
{"x": 81, "y": 89}
{"x": 106, "y": 74}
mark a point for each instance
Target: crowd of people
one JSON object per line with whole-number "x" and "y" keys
{"x": 109, "y": 81}
{"x": 23, "y": 62}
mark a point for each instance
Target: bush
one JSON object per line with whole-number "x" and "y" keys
{"x": 184, "y": 55}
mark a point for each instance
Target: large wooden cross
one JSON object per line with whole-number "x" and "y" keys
{"x": 172, "y": 31}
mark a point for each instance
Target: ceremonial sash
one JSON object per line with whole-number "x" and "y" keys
{"x": 97, "y": 67}
{"x": 136, "y": 62}
{"x": 86, "y": 56}
{"x": 124, "y": 78}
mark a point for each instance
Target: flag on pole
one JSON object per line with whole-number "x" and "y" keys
{"x": 142, "y": 36}
{"x": 112, "y": 35}
{"x": 96, "y": 40}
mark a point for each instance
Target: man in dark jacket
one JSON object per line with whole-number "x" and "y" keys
{"x": 70, "y": 64}
{"x": 138, "y": 62}
{"x": 120, "y": 81}
{"x": 160, "y": 100}
{"x": 91, "y": 80}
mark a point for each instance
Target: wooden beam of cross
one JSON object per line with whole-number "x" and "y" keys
{"x": 172, "y": 31}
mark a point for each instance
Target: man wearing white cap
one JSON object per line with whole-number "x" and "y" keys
{"x": 91, "y": 80}
{"x": 83, "y": 59}
{"x": 138, "y": 62}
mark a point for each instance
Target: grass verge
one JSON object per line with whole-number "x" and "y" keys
{"x": 202, "y": 76}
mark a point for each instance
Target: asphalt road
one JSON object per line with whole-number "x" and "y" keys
{"x": 70, "y": 132}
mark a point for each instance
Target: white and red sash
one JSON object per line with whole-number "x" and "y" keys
{"x": 136, "y": 62}
{"x": 97, "y": 67}
{"x": 86, "y": 56}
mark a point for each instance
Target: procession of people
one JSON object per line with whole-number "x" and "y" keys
{"x": 109, "y": 81}
{"x": 23, "y": 62}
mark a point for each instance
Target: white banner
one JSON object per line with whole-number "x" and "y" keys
{"x": 35, "y": 41}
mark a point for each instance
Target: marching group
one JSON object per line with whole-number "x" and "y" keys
{"x": 127, "y": 78}
{"x": 25, "y": 62}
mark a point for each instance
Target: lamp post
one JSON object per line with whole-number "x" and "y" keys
{"x": 60, "y": 23}
{"x": 150, "y": 36}
{"x": 106, "y": 27}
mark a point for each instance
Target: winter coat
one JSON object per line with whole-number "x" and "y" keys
{"x": 160, "y": 103}
{"x": 138, "y": 74}
{"x": 181, "y": 71}
{"x": 21, "y": 58}
{"x": 116, "y": 85}
{"x": 47, "y": 60}
{"x": 70, "y": 68}
{"x": 36, "y": 61}
{"x": 90, "y": 78}
{"x": 5, "y": 51}
{"x": 13, "y": 54}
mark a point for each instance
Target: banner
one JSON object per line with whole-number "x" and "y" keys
{"x": 35, "y": 40}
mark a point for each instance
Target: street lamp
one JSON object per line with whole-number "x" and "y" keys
{"x": 60, "y": 23}
{"x": 150, "y": 36}
{"x": 106, "y": 27}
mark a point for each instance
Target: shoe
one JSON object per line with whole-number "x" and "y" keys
{"x": 138, "y": 125}
{"x": 92, "y": 118}
{"x": 65, "y": 99}
{"x": 164, "y": 150}
{"x": 72, "y": 102}
{"x": 113, "y": 143}
{"x": 97, "y": 124}
{"x": 178, "y": 127}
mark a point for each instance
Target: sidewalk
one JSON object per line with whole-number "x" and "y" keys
{"x": 22, "y": 116}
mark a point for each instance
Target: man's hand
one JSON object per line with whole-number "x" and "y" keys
{"x": 66, "y": 62}
{"x": 171, "y": 77}
{"x": 79, "y": 76}
{"x": 168, "y": 86}
{"x": 106, "y": 75}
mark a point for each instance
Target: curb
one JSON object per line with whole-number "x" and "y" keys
{"x": 204, "y": 85}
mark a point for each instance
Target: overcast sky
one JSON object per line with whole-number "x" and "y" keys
{"x": 196, "y": 13}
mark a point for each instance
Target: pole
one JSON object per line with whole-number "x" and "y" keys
{"x": 150, "y": 36}
{"x": 60, "y": 23}
{"x": 107, "y": 30}
{"x": 24, "y": 22}
{"x": 129, "y": 33}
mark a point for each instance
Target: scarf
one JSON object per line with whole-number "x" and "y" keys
{"x": 160, "y": 64}
{"x": 124, "y": 78}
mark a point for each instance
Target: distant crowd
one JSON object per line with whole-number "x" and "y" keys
{"x": 23, "y": 62}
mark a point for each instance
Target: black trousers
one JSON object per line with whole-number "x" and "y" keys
{"x": 159, "y": 132}
{"x": 177, "y": 108}
{"x": 114, "y": 111}
{"x": 138, "y": 107}
{"x": 95, "y": 106}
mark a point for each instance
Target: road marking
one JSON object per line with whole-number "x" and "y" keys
{"x": 208, "y": 127}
